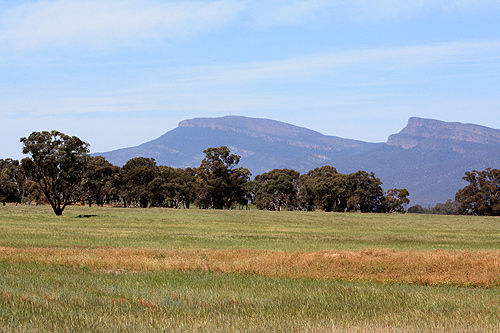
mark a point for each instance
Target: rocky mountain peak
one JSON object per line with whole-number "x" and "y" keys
{"x": 276, "y": 131}
{"x": 250, "y": 126}
{"x": 419, "y": 130}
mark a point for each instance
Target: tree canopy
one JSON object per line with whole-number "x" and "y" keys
{"x": 57, "y": 163}
{"x": 136, "y": 176}
{"x": 324, "y": 188}
{"x": 276, "y": 189}
{"x": 396, "y": 200}
{"x": 9, "y": 173}
{"x": 482, "y": 195}
{"x": 365, "y": 192}
{"x": 221, "y": 183}
{"x": 99, "y": 180}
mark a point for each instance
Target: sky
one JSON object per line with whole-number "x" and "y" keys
{"x": 120, "y": 73}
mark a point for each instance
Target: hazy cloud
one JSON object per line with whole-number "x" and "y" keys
{"x": 386, "y": 59}
{"x": 110, "y": 23}
{"x": 130, "y": 23}
{"x": 287, "y": 12}
{"x": 295, "y": 11}
{"x": 393, "y": 9}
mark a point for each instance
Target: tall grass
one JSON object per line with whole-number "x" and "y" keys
{"x": 481, "y": 269}
{"x": 209, "y": 229}
{"x": 47, "y": 298}
{"x": 115, "y": 269}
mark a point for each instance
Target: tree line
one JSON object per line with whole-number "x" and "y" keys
{"x": 60, "y": 172}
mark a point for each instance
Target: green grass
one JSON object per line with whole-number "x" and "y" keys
{"x": 41, "y": 298}
{"x": 35, "y": 297}
{"x": 210, "y": 229}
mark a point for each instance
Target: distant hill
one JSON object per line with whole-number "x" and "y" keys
{"x": 263, "y": 144}
{"x": 428, "y": 157}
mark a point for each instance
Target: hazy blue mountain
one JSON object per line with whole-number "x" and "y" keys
{"x": 428, "y": 157}
{"x": 263, "y": 144}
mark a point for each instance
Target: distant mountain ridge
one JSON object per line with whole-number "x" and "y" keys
{"x": 428, "y": 157}
{"x": 262, "y": 144}
{"x": 418, "y": 130}
{"x": 272, "y": 130}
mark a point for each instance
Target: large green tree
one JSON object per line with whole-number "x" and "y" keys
{"x": 276, "y": 189}
{"x": 365, "y": 193}
{"x": 482, "y": 195}
{"x": 136, "y": 176}
{"x": 221, "y": 183}
{"x": 9, "y": 185}
{"x": 323, "y": 188}
{"x": 173, "y": 187}
{"x": 99, "y": 180}
{"x": 396, "y": 200}
{"x": 57, "y": 163}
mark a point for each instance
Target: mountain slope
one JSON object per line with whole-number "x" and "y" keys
{"x": 263, "y": 144}
{"x": 428, "y": 157}
{"x": 421, "y": 131}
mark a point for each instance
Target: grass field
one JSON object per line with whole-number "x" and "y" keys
{"x": 115, "y": 269}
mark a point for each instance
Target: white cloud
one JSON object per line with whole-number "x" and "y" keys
{"x": 117, "y": 23}
{"x": 191, "y": 87}
{"x": 397, "y": 10}
{"x": 286, "y": 12}
{"x": 384, "y": 59}
{"x": 279, "y": 12}
{"x": 389, "y": 9}
{"x": 110, "y": 23}
{"x": 469, "y": 5}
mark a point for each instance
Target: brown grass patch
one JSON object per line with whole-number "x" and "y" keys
{"x": 481, "y": 268}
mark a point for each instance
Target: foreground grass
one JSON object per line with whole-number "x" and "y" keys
{"x": 480, "y": 269}
{"x": 262, "y": 230}
{"x": 51, "y": 298}
{"x": 112, "y": 269}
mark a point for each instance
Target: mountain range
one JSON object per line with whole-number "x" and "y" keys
{"x": 428, "y": 157}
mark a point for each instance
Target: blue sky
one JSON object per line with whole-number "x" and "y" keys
{"x": 120, "y": 73}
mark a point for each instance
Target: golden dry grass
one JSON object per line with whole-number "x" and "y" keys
{"x": 463, "y": 268}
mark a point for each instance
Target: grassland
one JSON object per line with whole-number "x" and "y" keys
{"x": 113, "y": 269}
{"x": 241, "y": 229}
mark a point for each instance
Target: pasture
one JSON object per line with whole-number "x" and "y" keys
{"x": 103, "y": 269}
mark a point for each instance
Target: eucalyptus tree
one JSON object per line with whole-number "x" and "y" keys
{"x": 99, "y": 180}
{"x": 221, "y": 185}
{"x": 57, "y": 163}
{"x": 323, "y": 188}
{"x": 396, "y": 200}
{"x": 482, "y": 195}
{"x": 365, "y": 193}
{"x": 276, "y": 189}
{"x": 136, "y": 176}
{"x": 9, "y": 184}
